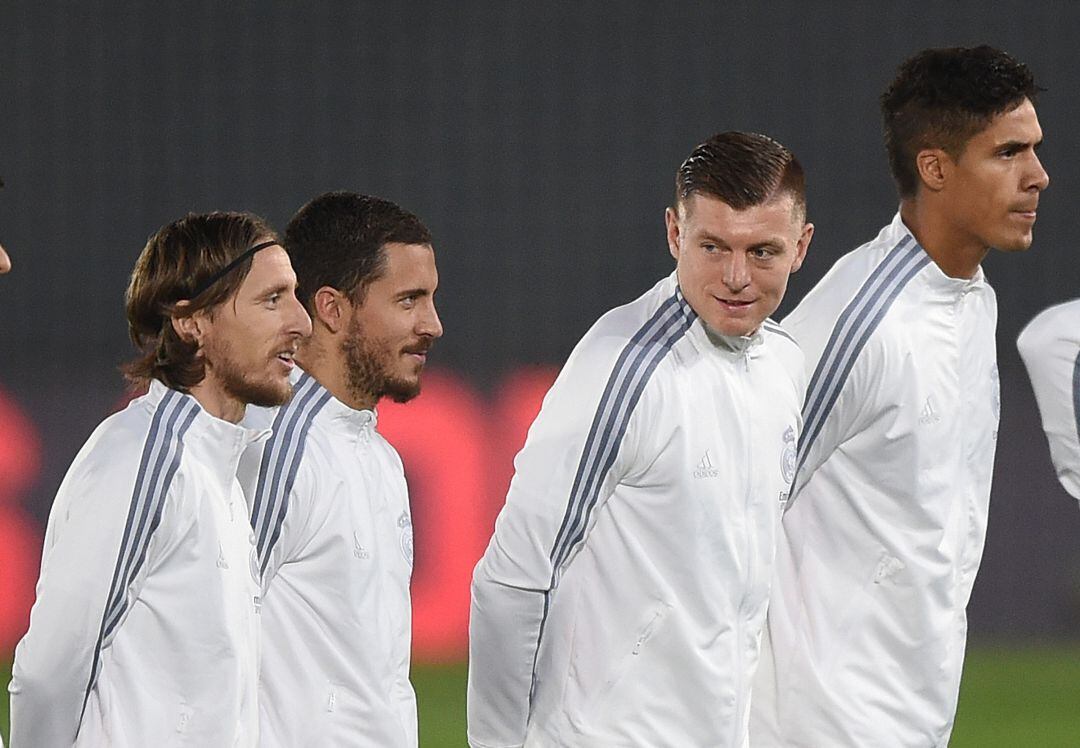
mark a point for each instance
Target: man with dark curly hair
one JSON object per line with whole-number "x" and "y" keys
{"x": 884, "y": 532}
{"x": 145, "y": 630}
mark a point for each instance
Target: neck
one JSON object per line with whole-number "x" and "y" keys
{"x": 215, "y": 401}
{"x": 957, "y": 253}
{"x": 321, "y": 357}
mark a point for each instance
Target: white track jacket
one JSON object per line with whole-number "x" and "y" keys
{"x": 1050, "y": 347}
{"x": 331, "y": 515}
{"x": 145, "y": 630}
{"x": 884, "y": 532}
{"x": 622, "y": 597}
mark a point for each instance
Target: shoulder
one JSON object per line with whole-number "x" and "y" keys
{"x": 655, "y": 320}
{"x": 857, "y": 294}
{"x": 782, "y": 344}
{"x": 847, "y": 277}
{"x": 293, "y": 425}
{"x": 124, "y": 446}
{"x": 1059, "y": 323}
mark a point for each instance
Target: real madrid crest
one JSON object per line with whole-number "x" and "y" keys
{"x": 404, "y": 524}
{"x": 788, "y": 456}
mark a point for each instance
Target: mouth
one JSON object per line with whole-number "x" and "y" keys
{"x": 417, "y": 353}
{"x": 1026, "y": 213}
{"x": 734, "y": 305}
{"x": 286, "y": 358}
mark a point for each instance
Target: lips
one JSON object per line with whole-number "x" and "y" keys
{"x": 734, "y": 305}
{"x": 419, "y": 351}
{"x": 285, "y": 357}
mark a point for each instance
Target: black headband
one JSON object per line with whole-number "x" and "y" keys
{"x": 202, "y": 287}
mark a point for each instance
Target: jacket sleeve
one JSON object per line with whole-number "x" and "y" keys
{"x": 281, "y": 499}
{"x": 1050, "y": 348}
{"x": 54, "y": 662}
{"x": 837, "y": 403}
{"x": 512, "y": 581}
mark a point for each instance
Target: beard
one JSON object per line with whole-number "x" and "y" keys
{"x": 368, "y": 365}
{"x": 239, "y": 385}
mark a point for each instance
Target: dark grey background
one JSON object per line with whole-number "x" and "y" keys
{"x": 538, "y": 141}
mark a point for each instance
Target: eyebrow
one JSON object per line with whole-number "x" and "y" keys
{"x": 413, "y": 292}
{"x": 1019, "y": 144}
{"x": 772, "y": 241}
{"x": 271, "y": 290}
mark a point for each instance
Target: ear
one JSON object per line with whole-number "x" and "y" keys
{"x": 933, "y": 165}
{"x": 671, "y": 220}
{"x": 802, "y": 245}
{"x": 332, "y": 308}
{"x": 192, "y": 327}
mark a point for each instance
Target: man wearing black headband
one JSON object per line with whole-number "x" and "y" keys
{"x": 145, "y": 629}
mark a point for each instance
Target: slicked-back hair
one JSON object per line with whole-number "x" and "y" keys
{"x": 941, "y": 98}
{"x": 742, "y": 169}
{"x": 338, "y": 240}
{"x": 178, "y": 259}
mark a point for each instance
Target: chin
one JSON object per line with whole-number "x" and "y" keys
{"x": 1015, "y": 245}
{"x": 734, "y": 328}
{"x": 270, "y": 394}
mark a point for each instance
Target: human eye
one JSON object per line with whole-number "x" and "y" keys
{"x": 764, "y": 253}
{"x": 709, "y": 248}
{"x": 273, "y": 299}
{"x": 408, "y": 302}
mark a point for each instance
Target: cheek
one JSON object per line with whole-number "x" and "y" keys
{"x": 773, "y": 282}
{"x": 696, "y": 271}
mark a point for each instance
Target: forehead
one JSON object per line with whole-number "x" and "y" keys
{"x": 714, "y": 215}
{"x": 269, "y": 267}
{"x": 406, "y": 262}
{"x": 1018, "y": 125}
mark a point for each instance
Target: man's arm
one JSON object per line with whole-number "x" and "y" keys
{"x": 1050, "y": 348}
{"x": 836, "y": 405}
{"x": 537, "y": 532}
{"x": 54, "y": 662}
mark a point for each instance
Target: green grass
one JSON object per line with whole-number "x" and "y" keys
{"x": 1019, "y": 697}
{"x": 1010, "y": 698}
{"x": 440, "y": 703}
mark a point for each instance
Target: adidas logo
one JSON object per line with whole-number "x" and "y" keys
{"x": 929, "y": 413}
{"x": 705, "y": 468}
{"x": 360, "y": 551}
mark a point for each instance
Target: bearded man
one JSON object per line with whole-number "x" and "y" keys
{"x": 145, "y": 629}
{"x": 328, "y": 498}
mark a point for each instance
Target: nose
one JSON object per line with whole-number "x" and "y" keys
{"x": 5, "y": 262}
{"x": 736, "y": 271}
{"x": 429, "y": 325}
{"x": 299, "y": 321}
{"x": 1039, "y": 179}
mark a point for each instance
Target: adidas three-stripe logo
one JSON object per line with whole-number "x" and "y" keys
{"x": 635, "y": 365}
{"x": 160, "y": 459}
{"x": 853, "y": 328}
{"x": 280, "y": 462}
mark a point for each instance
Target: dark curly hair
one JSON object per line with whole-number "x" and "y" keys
{"x": 742, "y": 169}
{"x": 337, "y": 240}
{"x": 941, "y": 98}
{"x": 176, "y": 261}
